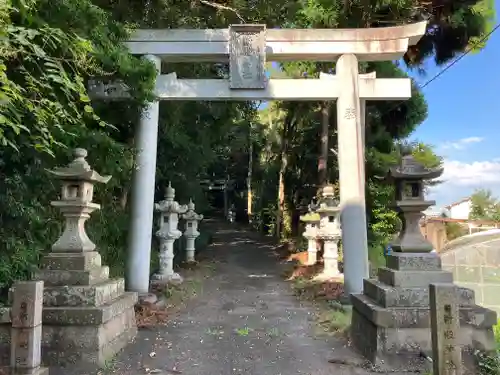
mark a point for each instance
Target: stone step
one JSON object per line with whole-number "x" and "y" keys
{"x": 72, "y": 261}
{"x": 390, "y": 296}
{"x": 414, "y": 262}
{"x": 413, "y": 278}
{"x": 88, "y": 315}
{"x": 72, "y": 277}
{"x": 88, "y": 295}
{"x": 88, "y": 337}
{"x": 417, "y": 317}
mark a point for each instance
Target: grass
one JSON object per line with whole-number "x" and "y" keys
{"x": 336, "y": 322}
{"x": 174, "y": 296}
{"x": 331, "y": 317}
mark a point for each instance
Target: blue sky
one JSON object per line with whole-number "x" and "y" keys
{"x": 463, "y": 122}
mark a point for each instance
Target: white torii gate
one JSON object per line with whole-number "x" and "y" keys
{"x": 247, "y": 47}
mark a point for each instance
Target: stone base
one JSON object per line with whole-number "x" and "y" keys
{"x": 386, "y": 334}
{"x": 88, "y": 335}
{"x": 87, "y": 318}
{"x": 329, "y": 277}
{"x": 38, "y": 371}
{"x": 391, "y": 320}
{"x": 174, "y": 278}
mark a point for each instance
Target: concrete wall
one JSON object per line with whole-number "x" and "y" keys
{"x": 435, "y": 233}
{"x": 475, "y": 263}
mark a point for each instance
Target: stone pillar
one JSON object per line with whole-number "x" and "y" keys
{"x": 142, "y": 202}
{"x": 445, "y": 326}
{"x": 86, "y": 316}
{"x": 352, "y": 179}
{"x": 26, "y": 332}
{"x": 362, "y": 161}
{"x": 191, "y": 232}
{"x": 167, "y": 234}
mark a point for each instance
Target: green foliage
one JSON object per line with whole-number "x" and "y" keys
{"x": 484, "y": 206}
{"x": 489, "y": 363}
{"x": 49, "y": 50}
{"x": 454, "y": 230}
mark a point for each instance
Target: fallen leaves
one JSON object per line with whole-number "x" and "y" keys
{"x": 149, "y": 315}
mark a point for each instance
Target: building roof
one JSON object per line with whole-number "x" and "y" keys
{"x": 458, "y": 202}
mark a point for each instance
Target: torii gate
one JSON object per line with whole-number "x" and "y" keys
{"x": 246, "y": 48}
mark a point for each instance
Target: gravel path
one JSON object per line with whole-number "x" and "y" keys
{"x": 246, "y": 321}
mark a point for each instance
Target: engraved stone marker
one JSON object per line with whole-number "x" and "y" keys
{"x": 26, "y": 317}
{"x": 247, "y": 56}
{"x": 445, "y": 326}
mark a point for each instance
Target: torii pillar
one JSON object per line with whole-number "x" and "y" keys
{"x": 351, "y": 158}
{"x": 351, "y": 116}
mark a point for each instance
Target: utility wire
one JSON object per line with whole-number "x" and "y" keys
{"x": 440, "y": 73}
{"x": 448, "y": 67}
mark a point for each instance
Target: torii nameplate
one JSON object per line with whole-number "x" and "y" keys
{"x": 247, "y": 57}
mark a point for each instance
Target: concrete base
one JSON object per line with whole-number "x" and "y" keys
{"x": 87, "y": 318}
{"x": 391, "y": 319}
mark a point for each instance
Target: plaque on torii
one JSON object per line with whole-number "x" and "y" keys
{"x": 247, "y": 57}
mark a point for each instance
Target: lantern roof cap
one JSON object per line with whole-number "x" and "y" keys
{"x": 310, "y": 217}
{"x": 169, "y": 191}
{"x": 79, "y": 169}
{"x": 409, "y": 168}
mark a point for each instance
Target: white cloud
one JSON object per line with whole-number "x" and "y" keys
{"x": 471, "y": 174}
{"x": 461, "y": 179}
{"x": 461, "y": 143}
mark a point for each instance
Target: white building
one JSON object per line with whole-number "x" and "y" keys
{"x": 460, "y": 209}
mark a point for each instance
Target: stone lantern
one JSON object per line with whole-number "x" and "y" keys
{"x": 77, "y": 287}
{"x": 390, "y": 320}
{"x": 191, "y": 232}
{"x": 77, "y": 190}
{"x": 408, "y": 179}
{"x": 311, "y": 219}
{"x": 231, "y": 214}
{"x": 329, "y": 231}
{"x": 168, "y": 233}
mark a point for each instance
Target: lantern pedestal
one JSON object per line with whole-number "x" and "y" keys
{"x": 166, "y": 273}
{"x": 311, "y": 219}
{"x": 86, "y": 316}
{"x": 329, "y": 232}
{"x": 391, "y": 319}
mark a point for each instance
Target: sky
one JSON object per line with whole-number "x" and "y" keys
{"x": 462, "y": 122}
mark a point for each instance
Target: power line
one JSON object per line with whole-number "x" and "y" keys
{"x": 448, "y": 67}
{"x": 467, "y": 51}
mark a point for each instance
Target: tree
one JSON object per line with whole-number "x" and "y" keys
{"x": 484, "y": 206}
{"x": 50, "y": 49}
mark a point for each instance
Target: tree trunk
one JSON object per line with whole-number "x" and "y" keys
{"x": 249, "y": 177}
{"x": 323, "y": 154}
{"x": 281, "y": 184}
{"x": 285, "y": 142}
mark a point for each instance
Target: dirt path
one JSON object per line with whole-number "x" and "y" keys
{"x": 246, "y": 321}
